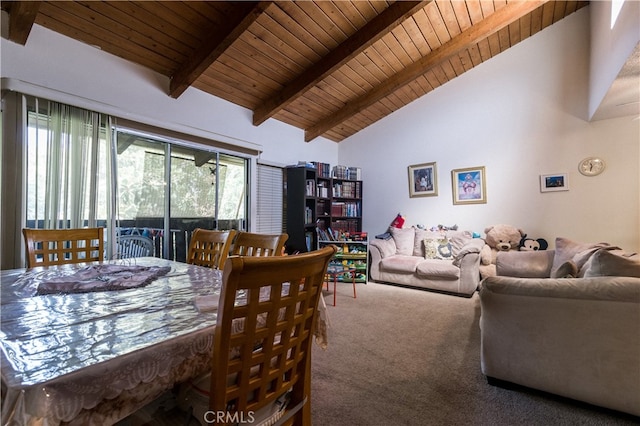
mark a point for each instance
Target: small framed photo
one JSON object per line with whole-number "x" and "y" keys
{"x": 554, "y": 182}
{"x": 423, "y": 180}
{"x": 469, "y": 185}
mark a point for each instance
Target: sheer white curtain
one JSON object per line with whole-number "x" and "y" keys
{"x": 68, "y": 166}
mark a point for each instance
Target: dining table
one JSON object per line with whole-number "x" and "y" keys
{"x": 89, "y": 344}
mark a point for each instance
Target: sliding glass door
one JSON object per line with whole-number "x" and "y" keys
{"x": 166, "y": 190}
{"x": 76, "y": 168}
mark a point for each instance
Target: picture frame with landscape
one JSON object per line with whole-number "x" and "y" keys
{"x": 423, "y": 180}
{"x": 469, "y": 185}
{"x": 554, "y": 182}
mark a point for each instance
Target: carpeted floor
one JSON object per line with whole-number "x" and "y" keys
{"x": 401, "y": 356}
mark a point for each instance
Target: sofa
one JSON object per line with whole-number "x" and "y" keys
{"x": 446, "y": 261}
{"x": 567, "y": 322}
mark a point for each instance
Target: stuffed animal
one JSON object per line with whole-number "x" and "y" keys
{"x": 498, "y": 238}
{"x": 398, "y": 222}
{"x": 529, "y": 244}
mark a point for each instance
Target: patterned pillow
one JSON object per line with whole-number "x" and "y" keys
{"x": 437, "y": 248}
{"x": 421, "y": 235}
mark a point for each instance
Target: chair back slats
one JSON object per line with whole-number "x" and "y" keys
{"x": 62, "y": 246}
{"x": 209, "y": 248}
{"x": 264, "y": 331}
{"x": 252, "y": 244}
{"x": 129, "y": 246}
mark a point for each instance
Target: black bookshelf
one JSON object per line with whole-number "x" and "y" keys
{"x": 301, "y": 209}
{"x": 318, "y": 201}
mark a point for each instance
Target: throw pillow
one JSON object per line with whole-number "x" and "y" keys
{"x": 421, "y": 235}
{"x": 605, "y": 263}
{"x": 403, "y": 237}
{"x": 567, "y": 249}
{"x": 458, "y": 240}
{"x": 437, "y": 248}
{"x": 567, "y": 270}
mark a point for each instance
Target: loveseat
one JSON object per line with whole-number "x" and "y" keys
{"x": 447, "y": 261}
{"x": 567, "y": 322}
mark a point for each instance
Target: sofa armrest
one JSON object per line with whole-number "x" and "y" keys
{"x": 574, "y": 337}
{"x": 472, "y": 246}
{"x": 378, "y": 250}
{"x": 468, "y": 260}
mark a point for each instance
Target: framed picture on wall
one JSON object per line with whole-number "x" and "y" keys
{"x": 469, "y": 185}
{"x": 554, "y": 182}
{"x": 423, "y": 180}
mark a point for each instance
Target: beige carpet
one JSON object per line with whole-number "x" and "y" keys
{"x": 401, "y": 356}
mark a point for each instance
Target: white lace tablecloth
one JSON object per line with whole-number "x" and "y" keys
{"x": 93, "y": 358}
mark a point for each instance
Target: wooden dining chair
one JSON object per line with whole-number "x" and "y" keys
{"x": 62, "y": 246}
{"x": 262, "y": 342}
{"x": 209, "y": 248}
{"x": 252, "y": 244}
{"x": 128, "y": 246}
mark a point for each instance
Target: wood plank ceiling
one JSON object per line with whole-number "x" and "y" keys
{"x": 331, "y": 68}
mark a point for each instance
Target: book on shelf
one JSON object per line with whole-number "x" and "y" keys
{"x": 347, "y": 189}
{"x": 323, "y": 170}
{"x": 345, "y": 225}
{"x": 354, "y": 173}
{"x": 342, "y": 208}
{"x": 348, "y": 173}
{"x": 308, "y": 236}
{"x": 324, "y": 234}
{"x": 323, "y": 190}
{"x": 311, "y": 188}
{"x": 336, "y": 209}
{"x": 339, "y": 172}
{"x": 308, "y": 215}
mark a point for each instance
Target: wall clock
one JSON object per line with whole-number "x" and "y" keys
{"x": 591, "y": 166}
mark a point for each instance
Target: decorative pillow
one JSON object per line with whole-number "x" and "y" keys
{"x": 403, "y": 237}
{"x": 421, "y": 235}
{"x": 605, "y": 263}
{"x": 437, "y": 248}
{"x": 458, "y": 240}
{"x": 567, "y": 249}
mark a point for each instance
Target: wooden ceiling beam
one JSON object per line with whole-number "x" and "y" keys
{"x": 491, "y": 25}
{"x": 217, "y": 42}
{"x": 22, "y": 15}
{"x": 374, "y": 30}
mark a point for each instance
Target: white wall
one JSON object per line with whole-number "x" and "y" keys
{"x": 520, "y": 115}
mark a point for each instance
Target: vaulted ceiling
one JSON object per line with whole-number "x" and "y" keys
{"x": 331, "y": 68}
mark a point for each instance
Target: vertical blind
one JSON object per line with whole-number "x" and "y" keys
{"x": 269, "y": 205}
